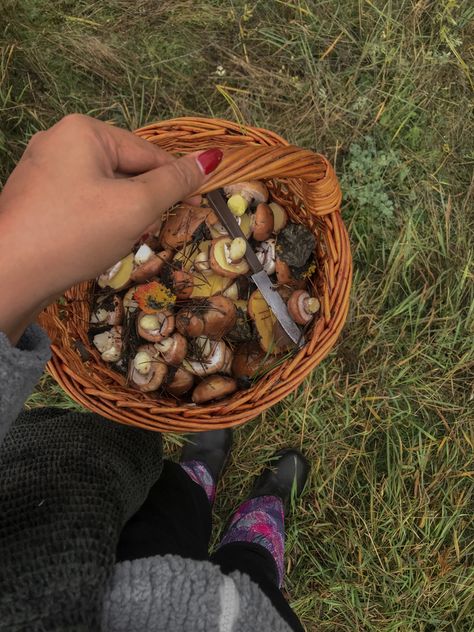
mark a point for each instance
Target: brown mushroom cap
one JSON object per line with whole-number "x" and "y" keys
{"x": 249, "y": 190}
{"x": 172, "y": 349}
{"x": 181, "y": 224}
{"x": 183, "y": 283}
{"x": 165, "y": 322}
{"x": 302, "y": 307}
{"x": 250, "y": 359}
{"x": 212, "y": 317}
{"x": 155, "y": 370}
{"x": 181, "y": 382}
{"x": 152, "y": 267}
{"x": 214, "y": 387}
{"x": 263, "y": 222}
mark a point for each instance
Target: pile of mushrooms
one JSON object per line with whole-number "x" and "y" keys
{"x": 180, "y": 313}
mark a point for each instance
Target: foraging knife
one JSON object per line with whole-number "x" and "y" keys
{"x": 261, "y": 279}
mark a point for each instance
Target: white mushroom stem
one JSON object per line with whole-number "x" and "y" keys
{"x": 109, "y": 344}
{"x": 235, "y": 251}
{"x": 201, "y": 262}
{"x": 164, "y": 345}
{"x": 143, "y": 254}
{"x": 232, "y": 292}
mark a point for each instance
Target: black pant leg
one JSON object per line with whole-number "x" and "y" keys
{"x": 175, "y": 518}
{"x": 255, "y": 561}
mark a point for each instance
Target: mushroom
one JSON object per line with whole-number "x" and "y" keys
{"x": 280, "y": 217}
{"x": 172, "y": 349}
{"x": 212, "y": 317}
{"x": 214, "y": 387}
{"x": 130, "y": 305}
{"x": 270, "y": 337}
{"x": 209, "y": 356}
{"x": 250, "y": 191}
{"x": 155, "y": 327}
{"x": 197, "y": 285}
{"x": 250, "y": 360}
{"x": 262, "y": 222}
{"x": 107, "y": 311}
{"x": 227, "y": 257}
{"x": 265, "y": 252}
{"x": 181, "y": 225}
{"x": 181, "y": 382}
{"x": 146, "y": 371}
{"x": 302, "y": 307}
{"x": 109, "y": 344}
{"x": 117, "y": 276}
{"x": 285, "y": 276}
{"x": 149, "y": 265}
{"x": 218, "y": 230}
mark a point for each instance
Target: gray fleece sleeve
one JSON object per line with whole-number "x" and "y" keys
{"x": 20, "y": 369}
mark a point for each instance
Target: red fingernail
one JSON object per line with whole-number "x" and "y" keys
{"x": 209, "y": 160}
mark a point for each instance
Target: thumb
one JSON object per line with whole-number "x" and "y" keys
{"x": 177, "y": 180}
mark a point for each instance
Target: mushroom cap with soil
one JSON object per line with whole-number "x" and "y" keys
{"x": 214, "y": 387}
{"x": 155, "y": 327}
{"x": 208, "y": 357}
{"x": 147, "y": 372}
{"x": 110, "y": 343}
{"x": 172, "y": 349}
{"x": 302, "y": 307}
{"x": 285, "y": 276}
{"x": 108, "y": 310}
{"x": 212, "y": 317}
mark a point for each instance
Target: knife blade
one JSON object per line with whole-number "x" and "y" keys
{"x": 261, "y": 279}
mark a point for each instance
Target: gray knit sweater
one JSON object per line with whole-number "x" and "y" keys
{"x": 167, "y": 593}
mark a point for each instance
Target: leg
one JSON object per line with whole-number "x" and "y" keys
{"x": 254, "y": 541}
{"x": 175, "y": 518}
{"x": 255, "y": 561}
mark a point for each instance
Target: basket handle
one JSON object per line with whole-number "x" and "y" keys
{"x": 314, "y": 179}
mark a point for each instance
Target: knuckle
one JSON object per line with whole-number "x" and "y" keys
{"x": 184, "y": 176}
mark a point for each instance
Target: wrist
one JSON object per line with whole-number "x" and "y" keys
{"x": 23, "y": 293}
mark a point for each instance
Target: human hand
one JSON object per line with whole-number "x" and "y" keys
{"x": 81, "y": 196}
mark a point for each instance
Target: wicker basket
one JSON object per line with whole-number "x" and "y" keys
{"x": 305, "y": 183}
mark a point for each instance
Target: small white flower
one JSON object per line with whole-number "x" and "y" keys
{"x": 220, "y": 71}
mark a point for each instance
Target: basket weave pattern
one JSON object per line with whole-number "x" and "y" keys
{"x": 302, "y": 181}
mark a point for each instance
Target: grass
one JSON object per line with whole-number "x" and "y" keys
{"x": 383, "y": 538}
